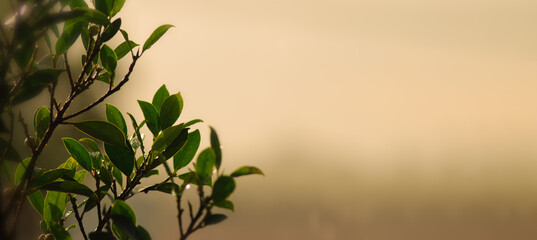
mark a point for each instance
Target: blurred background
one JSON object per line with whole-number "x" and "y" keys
{"x": 372, "y": 119}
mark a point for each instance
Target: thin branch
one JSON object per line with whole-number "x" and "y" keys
{"x": 68, "y": 69}
{"x": 77, "y": 216}
{"x": 108, "y": 93}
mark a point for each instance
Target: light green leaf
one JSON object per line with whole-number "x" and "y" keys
{"x": 151, "y": 116}
{"x": 41, "y": 121}
{"x": 116, "y": 7}
{"x": 70, "y": 33}
{"x": 160, "y": 95}
{"x": 104, "y": 131}
{"x": 246, "y": 170}
{"x": 124, "y": 48}
{"x": 187, "y": 153}
{"x": 50, "y": 176}
{"x": 155, "y": 36}
{"x": 114, "y": 116}
{"x": 120, "y": 208}
{"x": 205, "y": 163}
{"x": 78, "y": 152}
{"x": 170, "y": 110}
{"x": 165, "y": 138}
{"x": 223, "y": 187}
{"x": 21, "y": 169}
{"x": 192, "y": 122}
{"x": 108, "y": 58}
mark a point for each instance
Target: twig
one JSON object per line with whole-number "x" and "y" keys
{"x": 77, "y": 216}
{"x": 68, "y": 69}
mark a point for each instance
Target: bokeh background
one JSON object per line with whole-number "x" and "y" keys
{"x": 372, "y": 119}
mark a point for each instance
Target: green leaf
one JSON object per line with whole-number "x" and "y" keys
{"x": 54, "y": 207}
{"x": 165, "y": 138}
{"x": 41, "y": 121}
{"x": 155, "y": 36}
{"x": 116, "y": 7}
{"x": 78, "y": 152}
{"x": 151, "y": 116}
{"x": 192, "y": 122}
{"x": 176, "y": 145}
{"x": 70, "y": 187}
{"x": 70, "y": 33}
{"x": 50, "y": 176}
{"x": 170, "y": 110}
{"x": 120, "y": 208}
{"x": 246, "y": 170}
{"x": 160, "y": 95}
{"x": 124, "y": 48}
{"x": 117, "y": 175}
{"x": 105, "y": 6}
{"x": 205, "y": 163}
{"x": 59, "y": 232}
{"x": 21, "y": 169}
{"x": 214, "y": 219}
{"x": 90, "y": 143}
{"x": 111, "y": 30}
{"x": 37, "y": 200}
{"x": 94, "y": 16}
{"x": 167, "y": 187}
{"x": 223, "y": 187}
{"x": 96, "y": 154}
{"x": 101, "y": 236}
{"x": 108, "y": 58}
{"x": 215, "y": 145}
{"x": 142, "y": 233}
{"x": 8, "y": 151}
{"x": 104, "y": 131}
{"x": 35, "y": 83}
{"x": 121, "y": 157}
{"x": 226, "y": 204}
{"x": 114, "y": 116}
{"x": 187, "y": 153}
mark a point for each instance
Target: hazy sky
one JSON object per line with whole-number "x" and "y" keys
{"x": 371, "y": 119}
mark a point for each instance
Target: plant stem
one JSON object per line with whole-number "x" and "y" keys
{"x": 77, "y": 216}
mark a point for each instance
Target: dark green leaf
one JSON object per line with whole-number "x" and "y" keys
{"x": 101, "y": 236}
{"x": 159, "y": 97}
{"x": 205, "y": 164}
{"x": 59, "y": 231}
{"x": 165, "y": 138}
{"x": 170, "y": 110}
{"x": 105, "y": 6}
{"x": 70, "y": 187}
{"x": 215, "y": 145}
{"x": 151, "y": 116}
{"x": 114, "y": 116}
{"x": 121, "y": 157}
{"x": 104, "y": 131}
{"x": 41, "y": 121}
{"x": 50, "y": 176}
{"x": 117, "y": 175}
{"x": 192, "y": 122}
{"x": 151, "y": 173}
{"x": 111, "y": 30}
{"x": 155, "y": 36}
{"x": 78, "y": 152}
{"x": 8, "y": 152}
{"x": 120, "y": 208}
{"x": 214, "y": 218}
{"x": 143, "y": 234}
{"x": 187, "y": 177}
{"x": 37, "y": 200}
{"x": 167, "y": 187}
{"x": 176, "y": 145}
{"x": 104, "y": 77}
{"x": 77, "y": 4}
{"x": 124, "y": 228}
{"x": 124, "y": 48}
{"x": 223, "y": 187}
{"x": 35, "y": 83}
{"x": 187, "y": 153}
{"x": 246, "y": 170}
{"x": 70, "y": 33}
{"x": 226, "y": 204}
{"x": 91, "y": 203}
{"x": 108, "y": 58}
{"x": 116, "y": 7}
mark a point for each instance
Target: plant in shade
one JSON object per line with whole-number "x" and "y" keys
{"x": 108, "y": 167}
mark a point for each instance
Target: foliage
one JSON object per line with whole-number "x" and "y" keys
{"x": 107, "y": 167}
